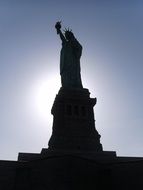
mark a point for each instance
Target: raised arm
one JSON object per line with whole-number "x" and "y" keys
{"x": 58, "y": 28}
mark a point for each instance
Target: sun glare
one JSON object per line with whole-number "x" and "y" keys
{"x": 43, "y": 95}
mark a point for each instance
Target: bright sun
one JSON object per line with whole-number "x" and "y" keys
{"x": 43, "y": 95}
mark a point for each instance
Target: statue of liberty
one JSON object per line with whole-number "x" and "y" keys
{"x": 69, "y": 59}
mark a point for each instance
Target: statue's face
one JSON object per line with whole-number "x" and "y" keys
{"x": 68, "y": 35}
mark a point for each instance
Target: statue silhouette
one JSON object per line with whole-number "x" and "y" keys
{"x": 69, "y": 59}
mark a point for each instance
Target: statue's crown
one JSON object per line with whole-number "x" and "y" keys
{"x": 67, "y": 30}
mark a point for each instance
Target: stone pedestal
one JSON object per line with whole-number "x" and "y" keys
{"x": 73, "y": 122}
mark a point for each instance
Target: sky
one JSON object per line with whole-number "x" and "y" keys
{"x": 110, "y": 32}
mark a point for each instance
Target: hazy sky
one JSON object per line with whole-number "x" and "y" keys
{"x": 111, "y": 33}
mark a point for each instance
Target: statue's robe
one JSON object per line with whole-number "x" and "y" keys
{"x": 70, "y": 64}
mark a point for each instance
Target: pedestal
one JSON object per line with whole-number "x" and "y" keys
{"x": 73, "y": 122}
